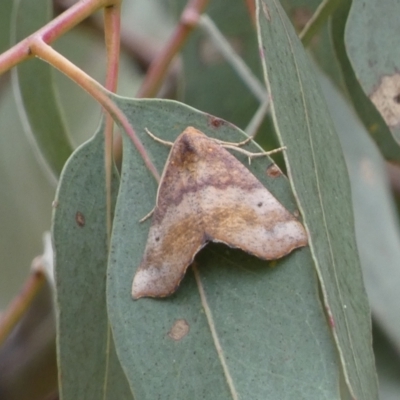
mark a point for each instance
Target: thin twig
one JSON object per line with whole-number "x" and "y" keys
{"x": 112, "y": 29}
{"x": 52, "y": 31}
{"x": 141, "y": 49}
{"x": 315, "y": 23}
{"x": 159, "y": 67}
{"x": 47, "y": 53}
{"x": 229, "y": 53}
{"x": 21, "y": 303}
{"x": 257, "y": 119}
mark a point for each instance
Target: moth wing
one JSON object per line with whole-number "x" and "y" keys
{"x": 242, "y": 213}
{"x": 165, "y": 259}
{"x": 206, "y": 194}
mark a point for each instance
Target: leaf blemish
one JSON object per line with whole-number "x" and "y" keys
{"x": 216, "y": 122}
{"x": 386, "y": 99}
{"x": 80, "y": 219}
{"x": 274, "y": 171}
{"x": 179, "y": 330}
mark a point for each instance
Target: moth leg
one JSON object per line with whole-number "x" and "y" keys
{"x": 147, "y": 216}
{"x": 277, "y": 150}
{"x": 251, "y": 155}
{"x": 157, "y": 139}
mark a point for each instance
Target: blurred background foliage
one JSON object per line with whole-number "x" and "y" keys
{"x": 206, "y": 82}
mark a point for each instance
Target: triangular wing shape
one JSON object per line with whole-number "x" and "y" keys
{"x": 176, "y": 233}
{"x": 206, "y": 194}
{"x": 242, "y": 213}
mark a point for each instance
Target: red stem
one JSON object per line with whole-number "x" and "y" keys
{"x": 159, "y": 67}
{"x": 112, "y": 33}
{"x": 52, "y": 31}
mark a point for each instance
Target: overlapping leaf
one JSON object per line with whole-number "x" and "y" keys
{"x": 39, "y": 103}
{"x": 88, "y": 367}
{"x": 371, "y": 117}
{"x": 321, "y": 184}
{"x": 270, "y": 338}
{"x": 377, "y": 229}
{"x": 371, "y": 38}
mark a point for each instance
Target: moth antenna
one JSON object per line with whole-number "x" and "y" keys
{"x": 157, "y": 139}
{"x": 147, "y": 216}
{"x": 251, "y": 155}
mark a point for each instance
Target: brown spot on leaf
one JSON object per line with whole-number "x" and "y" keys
{"x": 179, "y": 330}
{"x": 386, "y": 99}
{"x": 54, "y": 204}
{"x": 80, "y": 219}
{"x": 216, "y": 122}
{"x": 274, "y": 171}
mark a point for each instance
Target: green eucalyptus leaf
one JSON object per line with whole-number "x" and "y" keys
{"x": 5, "y": 22}
{"x": 377, "y": 227}
{"x": 371, "y": 38}
{"x": 320, "y": 181}
{"x": 250, "y": 331}
{"x": 372, "y": 119}
{"x": 88, "y": 367}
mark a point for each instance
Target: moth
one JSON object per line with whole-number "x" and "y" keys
{"x": 206, "y": 195}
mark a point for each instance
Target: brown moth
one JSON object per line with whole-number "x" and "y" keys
{"x": 206, "y": 194}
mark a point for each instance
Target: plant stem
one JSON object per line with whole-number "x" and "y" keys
{"x": 98, "y": 92}
{"x": 237, "y": 63}
{"x": 112, "y": 30}
{"x": 21, "y": 303}
{"x": 322, "y": 13}
{"x": 159, "y": 66}
{"x": 52, "y": 31}
{"x": 257, "y": 119}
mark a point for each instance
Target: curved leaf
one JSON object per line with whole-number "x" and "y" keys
{"x": 88, "y": 368}
{"x": 37, "y": 98}
{"x": 373, "y": 121}
{"x": 320, "y": 181}
{"x": 371, "y": 38}
{"x": 252, "y": 331}
{"x": 377, "y": 228}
